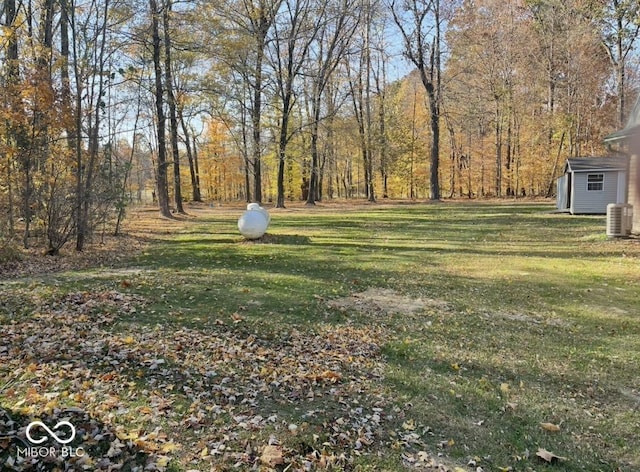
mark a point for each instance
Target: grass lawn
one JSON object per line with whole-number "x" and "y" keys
{"x": 454, "y": 336}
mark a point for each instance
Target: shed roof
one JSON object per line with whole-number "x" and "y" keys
{"x": 593, "y": 164}
{"x": 632, "y": 127}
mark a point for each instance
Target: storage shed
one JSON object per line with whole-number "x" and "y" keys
{"x": 589, "y": 184}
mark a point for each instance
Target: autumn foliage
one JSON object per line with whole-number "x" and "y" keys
{"x": 278, "y": 101}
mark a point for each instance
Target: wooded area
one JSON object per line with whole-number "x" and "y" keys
{"x": 109, "y": 102}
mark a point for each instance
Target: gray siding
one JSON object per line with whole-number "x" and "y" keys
{"x": 594, "y": 202}
{"x": 562, "y": 200}
{"x": 634, "y": 190}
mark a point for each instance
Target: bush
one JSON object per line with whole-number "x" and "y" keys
{"x": 9, "y": 252}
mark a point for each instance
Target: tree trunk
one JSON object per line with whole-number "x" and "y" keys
{"x": 245, "y": 156}
{"x": 12, "y": 79}
{"x": 498, "y": 136}
{"x": 195, "y": 184}
{"x": 282, "y": 149}
{"x": 434, "y": 174}
{"x": 85, "y": 197}
{"x": 313, "y": 178}
{"x": 67, "y": 105}
{"x": 162, "y": 183}
{"x": 256, "y": 116}
{"x": 196, "y": 166}
{"x": 173, "y": 119}
{"x": 426, "y": 56}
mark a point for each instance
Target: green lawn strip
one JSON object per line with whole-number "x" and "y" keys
{"x": 531, "y": 318}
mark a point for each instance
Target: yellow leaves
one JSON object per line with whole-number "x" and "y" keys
{"x": 123, "y": 436}
{"x": 18, "y": 404}
{"x": 50, "y": 405}
{"x": 169, "y": 447}
{"x": 505, "y": 388}
{"x": 272, "y": 456}
{"x": 552, "y": 428}
{"x": 409, "y": 425}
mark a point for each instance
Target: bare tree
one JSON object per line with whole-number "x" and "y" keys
{"x": 419, "y": 23}
{"x": 294, "y": 31}
{"x": 331, "y": 44}
{"x": 620, "y": 30}
{"x": 251, "y": 21}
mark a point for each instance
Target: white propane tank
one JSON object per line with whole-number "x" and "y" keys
{"x": 253, "y": 224}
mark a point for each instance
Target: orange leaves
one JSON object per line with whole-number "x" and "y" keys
{"x": 326, "y": 376}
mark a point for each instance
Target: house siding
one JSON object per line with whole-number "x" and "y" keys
{"x": 634, "y": 190}
{"x": 593, "y": 202}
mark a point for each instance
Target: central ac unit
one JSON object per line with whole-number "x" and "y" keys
{"x": 619, "y": 220}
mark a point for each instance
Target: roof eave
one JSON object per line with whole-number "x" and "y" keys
{"x": 622, "y": 135}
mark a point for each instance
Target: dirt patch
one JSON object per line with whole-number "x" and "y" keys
{"x": 527, "y": 319}
{"x": 384, "y": 301}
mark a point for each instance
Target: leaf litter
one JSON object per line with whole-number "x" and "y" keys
{"x": 142, "y": 397}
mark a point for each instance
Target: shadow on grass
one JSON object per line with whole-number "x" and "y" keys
{"x": 94, "y": 445}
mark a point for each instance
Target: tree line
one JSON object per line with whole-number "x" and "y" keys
{"x": 105, "y": 102}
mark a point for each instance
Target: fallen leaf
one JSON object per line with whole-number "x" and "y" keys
{"x": 169, "y": 447}
{"x": 548, "y": 456}
{"x": 327, "y": 375}
{"x": 554, "y": 428}
{"x": 272, "y": 456}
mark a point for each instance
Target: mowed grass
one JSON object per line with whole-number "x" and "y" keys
{"x": 542, "y": 327}
{"x": 529, "y": 318}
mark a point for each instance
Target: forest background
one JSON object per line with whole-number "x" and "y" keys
{"x": 104, "y": 103}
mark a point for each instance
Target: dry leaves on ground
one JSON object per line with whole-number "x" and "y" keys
{"x": 141, "y": 396}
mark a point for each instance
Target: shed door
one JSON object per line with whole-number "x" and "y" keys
{"x": 561, "y": 193}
